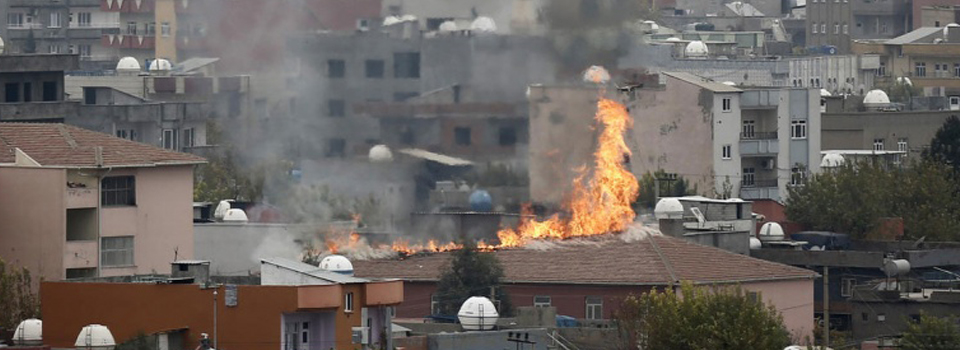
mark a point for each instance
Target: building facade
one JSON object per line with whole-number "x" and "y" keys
{"x": 60, "y": 27}
{"x": 927, "y": 56}
{"x": 85, "y": 204}
{"x": 837, "y": 23}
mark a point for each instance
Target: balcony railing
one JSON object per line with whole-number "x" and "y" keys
{"x": 24, "y": 25}
{"x": 772, "y": 135}
{"x": 94, "y": 25}
{"x": 760, "y": 183}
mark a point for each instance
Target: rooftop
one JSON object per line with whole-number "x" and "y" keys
{"x": 654, "y": 260}
{"x": 59, "y": 145}
{"x": 702, "y": 82}
{"x": 313, "y": 271}
{"x": 912, "y": 37}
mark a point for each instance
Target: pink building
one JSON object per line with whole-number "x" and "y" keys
{"x": 78, "y": 203}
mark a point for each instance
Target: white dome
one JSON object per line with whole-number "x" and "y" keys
{"x": 668, "y": 208}
{"x": 596, "y": 74}
{"x": 28, "y": 333}
{"x": 729, "y": 83}
{"x": 337, "y": 263}
{"x": 235, "y": 215}
{"x": 222, "y": 208}
{"x": 771, "y": 231}
{"x": 478, "y": 313}
{"x": 160, "y": 65}
{"x": 95, "y": 336}
{"x": 651, "y": 25}
{"x": 831, "y": 160}
{"x": 876, "y": 98}
{"x": 673, "y": 39}
{"x": 825, "y": 93}
{"x": 483, "y": 24}
{"x": 408, "y": 18}
{"x": 904, "y": 80}
{"x": 128, "y": 64}
{"x": 755, "y": 243}
{"x": 391, "y": 20}
{"x": 448, "y": 26}
{"x": 696, "y": 48}
{"x": 2, "y": 46}
{"x": 380, "y": 154}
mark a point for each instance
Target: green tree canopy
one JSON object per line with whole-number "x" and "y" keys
{"x": 17, "y": 299}
{"x": 714, "y": 318}
{"x": 470, "y": 273}
{"x": 854, "y": 197}
{"x": 931, "y": 333}
{"x": 673, "y": 188}
{"x": 945, "y": 146}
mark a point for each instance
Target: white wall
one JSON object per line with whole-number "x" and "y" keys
{"x": 726, "y": 131}
{"x": 273, "y": 275}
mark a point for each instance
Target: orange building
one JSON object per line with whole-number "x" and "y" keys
{"x": 244, "y": 317}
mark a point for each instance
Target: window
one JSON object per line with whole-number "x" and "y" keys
{"x": 434, "y": 305}
{"x": 846, "y": 287}
{"x": 50, "y": 91}
{"x": 14, "y": 20}
{"x": 336, "y": 108}
{"x": 749, "y": 129}
{"x": 84, "y": 51}
{"x": 883, "y": 27}
{"x": 798, "y": 176}
{"x": 798, "y": 129}
{"x": 594, "y": 308}
{"x": 461, "y": 136}
{"x": 150, "y": 28}
{"x": 131, "y": 28}
{"x": 877, "y": 144}
{"x": 406, "y": 65}
{"x": 727, "y": 105}
{"x": 89, "y": 95}
{"x": 883, "y": 69}
{"x": 823, "y": 28}
{"x": 170, "y": 139}
{"x": 865, "y": 316}
{"x": 116, "y": 251}
{"x": 727, "y": 151}
{"x": 374, "y": 69}
{"x": 11, "y": 92}
{"x": 881, "y": 317}
{"x": 118, "y": 190}
{"x": 836, "y": 28}
{"x": 348, "y": 302}
{"x": 336, "y": 69}
{"x": 813, "y": 28}
{"x": 53, "y": 49}
{"x": 83, "y": 19}
{"x": 508, "y": 136}
{"x": 56, "y": 20}
{"x": 189, "y": 137}
{"x": 129, "y": 134}
{"x": 846, "y": 28}
{"x": 749, "y": 177}
{"x": 753, "y": 297}
{"x": 336, "y": 148}
{"x": 165, "y": 29}
{"x": 541, "y": 301}
{"x": 902, "y": 146}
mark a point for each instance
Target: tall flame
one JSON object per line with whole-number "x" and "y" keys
{"x": 600, "y": 205}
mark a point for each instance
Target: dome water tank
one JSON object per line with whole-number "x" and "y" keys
{"x": 825, "y": 93}
{"x": 380, "y": 154}
{"x": 755, "y": 243}
{"x": 337, "y": 263}
{"x": 160, "y": 65}
{"x": 673, "y": 39}
{"x": 832, "y": 160}
{"x": 448, "y": 26}
{"x": 222, "y": 209}
{"x": 478, "y": 314}
{"x": 480, "y": 200}
{"x": 29, "y": 333}
{"x": 668, "y": 208}
{"x": 904, "y": 80}
{"x": 128, "y": 64}
{"x": 2, "y": 45}
{"x": 696, "y": 48}
{"x": 483, "y": 25}
{"x": 391, "y": 20}
{"x": 946, "y": 29}
{"x": 408, "y": 18}
{"x": 95, "y": 337}
{"x": 875, "y": 99}
{"x": 235, "y": 215}
{"x": 771, "y": 231}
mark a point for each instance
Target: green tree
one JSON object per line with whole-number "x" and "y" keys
{"x": 228, "y": 176}
{"x": 674, "y": 188}
{"x": 470, "y": 273}
{"x": 17, "y": 299}
{"x": 141, "y": 341}
{"x": 901, "y": 92}
{"x": 931, "y": 333}
{"x": 945, "y": 146}
{"x": 703, "y": 318}
{"x": 852, "y": 198}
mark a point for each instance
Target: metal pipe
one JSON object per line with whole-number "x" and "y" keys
{"x": 215, "y": 318}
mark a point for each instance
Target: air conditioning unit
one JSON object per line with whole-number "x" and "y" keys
{"x": 769, "y": 164}
{"x": 361, "y": 335}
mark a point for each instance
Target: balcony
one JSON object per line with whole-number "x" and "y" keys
{"x": 760, "y": 189}
{"x": 759, "y": 143}
{"x": 319, "y": 297}
{"x": 80, "y": 254}
{"x": 755, "y": 99}
{"x": 384, "y": 293}
{"x": 83, "y": 197}
{"x": 34, "y": 111}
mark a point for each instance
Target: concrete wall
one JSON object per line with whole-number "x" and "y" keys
{"x": 161, "y": 221}
{"x": 33, "y": 220}
{"x": 726, "y": 126}
{"x": 793, "y": 299}
{"x": 236, "y": 249}
{"x": 857, "y": 131}
{"x": 488, "y": 340}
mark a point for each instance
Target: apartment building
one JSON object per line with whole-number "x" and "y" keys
{"x": 927, "y": 56}
{"x": 60, "y": 27}
{"x": 750, "y": 143}
{"x": 838, "y": 22}
{"x": 82, "y": 203}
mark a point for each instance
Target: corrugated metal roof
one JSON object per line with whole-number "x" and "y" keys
{"x": 313, "y": 271}
{"x": 702, "y": 82}
{"x": 913, "y": 36}
{"x": 435, "y": 157}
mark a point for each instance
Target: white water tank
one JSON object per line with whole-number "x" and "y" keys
{"x": 755, "y": 243}
{"x": 771, "y": 231}
{"x": 478, "y": 314}
{"x": 95, "y": 337}
{"x": 483, "y": 25}
{"x": 668, "y": 208}
{"x": 448, "y": 26}
{"x": 2, "y": 45}
{"x": 160, "y": 65}
{"x": 380, "y": 154}
{"x": 896, "y": 267}
{"x": 832, "y": 160}
{"x": 128, "y": 64}
{"x": 222, "y": 209}
{"x": 876, "y": 99}
{"x": 29, "y": 333}
{"x": 337, "y": 263}
{"x": 391, "y": 20}
{"x": 696, "y": 48}
{"x": 235, "y": 215}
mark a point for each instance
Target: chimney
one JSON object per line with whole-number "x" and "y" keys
{"x": 199, "y": 270}
{"x": 669, "y": 212}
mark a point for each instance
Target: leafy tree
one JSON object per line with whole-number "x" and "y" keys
{"x": 901, "y": 92}
{"x": 852, "y": 198}
{"x": 702, "y": 318}
{"x": 945, "y": 146}
{"x": 17, "y": 299}
{"x": 675, "y": 188}
{"x": 227, "y": 176}
{"x": 470, "y": 273}
{"x": 141, "y": 341}
{"x": 931, "y": 333}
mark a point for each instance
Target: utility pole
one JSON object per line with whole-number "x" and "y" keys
{"x": 826, "y": 306}
{"x": 215, "y": 320}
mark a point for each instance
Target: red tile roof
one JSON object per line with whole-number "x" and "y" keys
{"x": 656, "y": 260}
{"x": 59, "y": 145}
